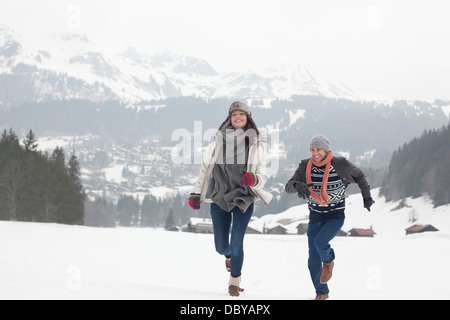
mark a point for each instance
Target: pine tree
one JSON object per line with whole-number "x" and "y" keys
{"x": 149, "y": 212}
{"x": 67, "y": 201}
{"x": 420, "y": 167}
{"x": 170, "y": 224}
{"x": 75, "y": 173}
{"x": 38, "y": 187}
{"x": 12, "y": 174}
{"x": 30, "y": 141}
{"x": 78, "y": 197}
{"x": 99, "y": 213}
{"x": 31, "y": 204}
{"x": 127, "y": 211}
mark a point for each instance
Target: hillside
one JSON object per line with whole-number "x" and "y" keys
{"x": 387, "y": 219}
{"x": 134, "y": 150}
{"x": 125, "y": 116}
{"x": 421, "y": 167}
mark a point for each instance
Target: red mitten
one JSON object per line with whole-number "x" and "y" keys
{"x": 249, "y": 180}
{"x": 194, "y": 201}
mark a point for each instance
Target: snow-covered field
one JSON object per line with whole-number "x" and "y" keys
{"x": 51, "y": 261}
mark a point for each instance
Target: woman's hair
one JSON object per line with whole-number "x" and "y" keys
{"x": 252, "y": 125}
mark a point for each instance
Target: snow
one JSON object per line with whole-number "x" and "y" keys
{"x": 133, "y": 77}
{"x": 51, "y": 261}
{"x": 295, "y": 115}
{"x": 385, "y": 218}
{"x": 163, "y": 192}
{"x": 366, "y": 157}
{"x": 49, "y": 143}
{"x": 446, "y": 110}
{"x": 113, "y": 173}
{"x": 345, "y": 154}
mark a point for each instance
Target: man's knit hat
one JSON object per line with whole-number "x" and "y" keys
{"x": 240, "y": 106}
{"x": 320, "y": 141}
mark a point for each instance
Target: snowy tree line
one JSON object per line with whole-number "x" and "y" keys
{"x": 43, "y": 187}
{"x": 130, "y": 211}
{"x": 36, "y": 186}
{"x": 421, "y": 167}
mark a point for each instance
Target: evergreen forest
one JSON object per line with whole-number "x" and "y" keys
{"x": 36, "y": 186}
{"x": 421, "y": 167}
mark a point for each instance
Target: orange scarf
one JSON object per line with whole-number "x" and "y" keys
{"x": 322, "y": 198}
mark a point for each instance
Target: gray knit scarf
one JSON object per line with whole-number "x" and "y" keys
{"x": 231, "y": 164}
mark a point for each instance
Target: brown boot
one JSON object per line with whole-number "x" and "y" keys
{"x": 233, "y": 286}
{"x": 228, "y": 264}
{"x": 321, "y": 297}
{"x": 327, "y": 272}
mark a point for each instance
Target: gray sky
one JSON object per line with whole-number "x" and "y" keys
{"x": 396, "y": 49}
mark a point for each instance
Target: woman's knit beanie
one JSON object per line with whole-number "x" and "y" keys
{"x": 240, "y": 106}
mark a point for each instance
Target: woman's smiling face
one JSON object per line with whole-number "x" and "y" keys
{"x": 238, "y": 119}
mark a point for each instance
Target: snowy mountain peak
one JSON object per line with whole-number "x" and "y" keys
{"x": 289, "y": 71}
{"x": 133, "y": 76}
{"x": 181, "y": 64}
{"x": 9, "y": 46}
{"x": 74, "y": 37}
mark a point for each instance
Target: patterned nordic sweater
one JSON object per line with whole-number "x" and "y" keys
{"x": 335, "y": 190}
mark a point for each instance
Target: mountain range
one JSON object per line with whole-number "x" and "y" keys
{"x": 119, "y": 113}
{"x": 71, "y": 66}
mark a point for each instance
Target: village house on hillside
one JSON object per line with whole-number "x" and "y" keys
{"x": 276, "y": 229}
{"x": 359, "y": 232}
{"x": 252, "y": 230}
{"x": 199, "y": 225}
{"x": 419, "y": 228}
{"x": 302, "y": 228}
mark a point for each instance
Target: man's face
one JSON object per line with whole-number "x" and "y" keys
{"x": 318, "y": 154}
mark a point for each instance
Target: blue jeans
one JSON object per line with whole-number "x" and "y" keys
{"x": 319, "y": 235}
{"x": 221, "y": 224}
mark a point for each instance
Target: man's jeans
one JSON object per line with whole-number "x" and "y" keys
{"x": 221, "y": 224}
{"x": 319, "y": 235}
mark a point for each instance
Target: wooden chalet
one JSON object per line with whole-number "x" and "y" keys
{"x": 199, "y": 225}
{"x": 419, "y": 228}
{"x": 302, "y": 228}
{"x": 251, "y": 230}
{"x": 278, "y": 229}
{"x": 359, "y": 232}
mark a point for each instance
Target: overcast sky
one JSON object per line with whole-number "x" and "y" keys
{"x": 392, "y": 48}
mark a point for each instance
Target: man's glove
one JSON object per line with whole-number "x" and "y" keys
{"x": 249, "y": 180}
{"x": 368, "y": 203}
{"x": 194, "y": 201}
{"x": 303, "y": 189}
